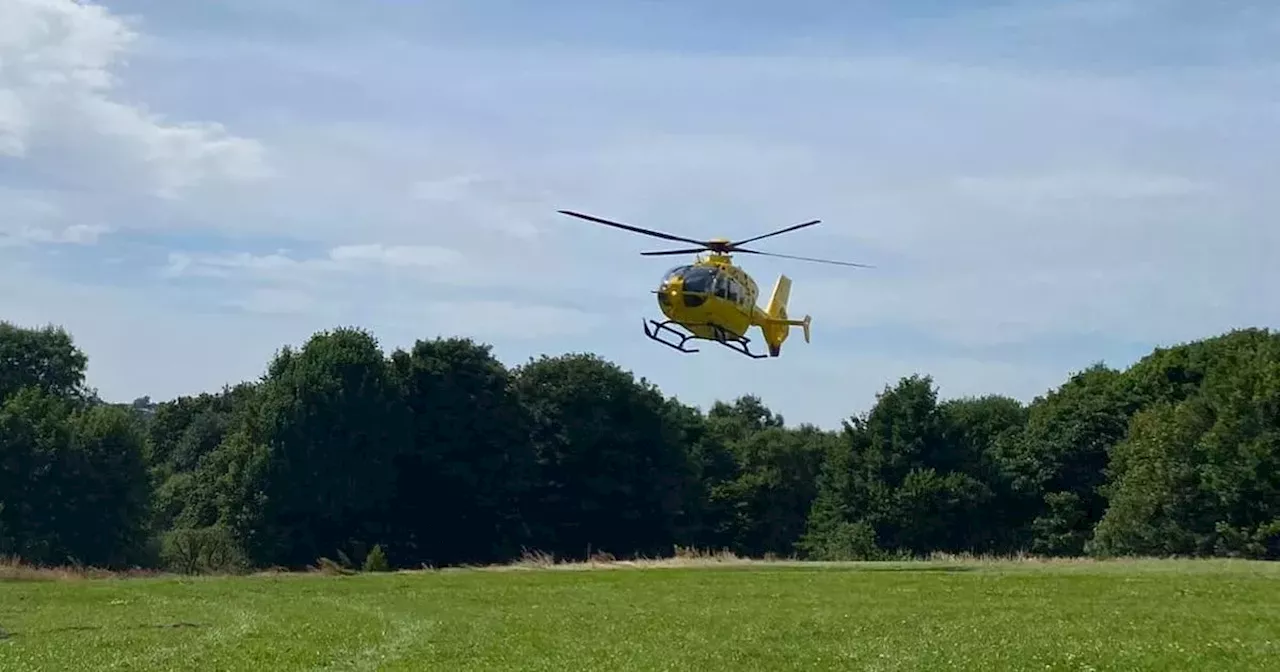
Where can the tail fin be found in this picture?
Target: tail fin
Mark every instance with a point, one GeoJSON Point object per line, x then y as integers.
{"type": "Point", "coordinates": [777, 326]}
{"type": "Point", "coordinates": [777, 306]}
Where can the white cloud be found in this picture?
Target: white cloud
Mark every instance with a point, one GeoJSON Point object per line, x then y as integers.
{"type": "Point", "coordinates": [76, 234]}
{"type": "Point", "coordinates": [13, 124]}
{"type": "Point", "coordinates": [1052, 190]}
{"type": "Point", "coordinates": [338, 264]}
{"type": "Point", "coordinates": [31, 217]}
{"type": "Point", "coordinates": [277, 302]}
{"type": "Point", "coordinates": [56, 107]}
{"type": "Point", "coordinates": [490, 202]}
{"type": "Point", "coordinates": [448, 189]}
{"type": "Point", "coordinates": [505, 320]}
{"type": "Point", "coordinates": [231, 265]}
{"type": "Point", "coordinates": [396, 285]}
{"type": "Point", "coordinates": [397, 255]}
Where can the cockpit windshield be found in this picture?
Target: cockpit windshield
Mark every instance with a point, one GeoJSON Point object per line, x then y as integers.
{"type": "Point", "coordinates": [697, 279]}
{"type": "Point", "coordinates": [673, 274]}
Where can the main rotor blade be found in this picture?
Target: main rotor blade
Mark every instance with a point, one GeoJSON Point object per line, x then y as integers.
{"type": "Point", "coordinates": [788, 256]}
{"type": "Point", "coordinates": [628, 227]}
{"type": "Point", "coordinates": [776, 233]}
{"type": "Point", "coordinates": [689, 250]}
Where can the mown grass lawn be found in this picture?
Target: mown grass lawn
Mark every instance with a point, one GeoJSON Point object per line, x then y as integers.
{"type": "Point", "coordinates": [1150, 615]}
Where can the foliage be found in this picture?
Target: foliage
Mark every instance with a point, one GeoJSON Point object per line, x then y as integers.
{"type": "Point", "coordinates": [209, 549]}
{"type": "Point", "coordinates": [467, 464]}
{"type": "Point", "coordinates": [907, 480]}
{"type": "Point", "coordinates": [319, 450]}
{"type": "Point", "coordinates": [1199, 474]}
{"type": "Point", "coordinates": [72, 481]}
{"type": "Point", "coordinates": [376, 560]}
{"type": "Point", "coordinates": [46, 359]}
{"type": "Point", "coordinates": [611, 469]}
{"type": "Point", "coordinates": [438, 454]}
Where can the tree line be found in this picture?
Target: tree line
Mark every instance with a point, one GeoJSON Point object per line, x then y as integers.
{"type": "Point", "coordinates": [440, 455]}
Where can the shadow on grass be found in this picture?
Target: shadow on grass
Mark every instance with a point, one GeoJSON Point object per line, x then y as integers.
{"type": "Point", "coordinates": [901, 567]}
{"type": "Point", "coordinates": [908, 568]}
{"type": "Point", "coordinates": [5, 634]}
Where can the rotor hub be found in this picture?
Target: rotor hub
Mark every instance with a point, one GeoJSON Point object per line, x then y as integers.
{"type": "Point", "coordinates": [720, 245]}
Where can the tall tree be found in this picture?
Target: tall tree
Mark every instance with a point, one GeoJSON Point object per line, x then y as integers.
{"type": "Point", "coordinates": [468, 467]}
{"type": "Point", "coordinates": [900, 485]}
{"type": "Point", "coordinates": [612, 471]}
{"type": "Point", "coordinates": [981, 431]}
{"type": "Point", "coordinates": [706, 520]}
{"type": "Point", "coordinates": [314, 466]}
{"type": "Point", "coordinates": [46, 359]}
{"type": "Point", "coordinates": [1199, 473]}
{"type": "Point", "coordinates": [184, 430]}
{"type": "Point", "coordinates": [1061, 456]}
{"type": "Point", "coordinates": [73, 485]}
{"type": "Point", "coordinates": [774, 488]}
{"type": "Point", "coordinates": [766, 483]}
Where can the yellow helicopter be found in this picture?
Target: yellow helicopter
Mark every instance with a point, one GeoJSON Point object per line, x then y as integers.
{"type": "Point", "coordinates": [714, 300]}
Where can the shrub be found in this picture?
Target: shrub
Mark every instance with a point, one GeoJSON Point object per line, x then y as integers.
{"type": "Point", "coordinates": [376, 561]}
{"type": "Point", "coordinates": [209, 549]}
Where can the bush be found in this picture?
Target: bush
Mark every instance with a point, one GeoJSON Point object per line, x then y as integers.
{"type": "Point", "coordinates": [209, 549]}
{"type": "Point", "coordinates": [376, 561]}
{"type": "Point", "coordinates": [846, 541]}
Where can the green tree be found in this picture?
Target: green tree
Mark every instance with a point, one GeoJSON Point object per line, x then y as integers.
{"type": "Point", "coordinates": [34, 437]}
{"type": "Point", "coordinates": [1060, 458]}
{"type": "Point", "coordinates": [72, 482]}
{"type": "Point", "coordinates": [981, 431]}
{"type": "Point", "coordinates": [186, 429]}
{"type": "Point", "coordinates": [469, 466]}
{"type": "Point", "coordinates": [742, 418]}
{"type": "Point", "coordinates": [903, 482]}
{"type": "Point", "coordinates": [314, 466]}
{"type": "Point", "coordinates": [706, 519]}
{"type": "Point", "coordinates": [612, 471]}
{"type": "Point", "coordinates": [1199, 474]}
{"type": "Point", "coordinates": [773, 488]}
{"type": "Point", "coordinates": [180, 435]}
{"type": "Point", "coordinates": [1156, 492]}
{"type": "Point", "coordinates": [46, 359]}
{"type": "Point", "coordinates": [839, 525]}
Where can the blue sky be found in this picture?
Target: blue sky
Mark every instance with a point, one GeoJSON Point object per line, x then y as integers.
{"type": "Point", "coordinates": [1040, 185]}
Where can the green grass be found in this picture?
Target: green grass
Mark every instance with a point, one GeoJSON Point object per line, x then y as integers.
{"type": "Point", "coordinates": [1149, 615]}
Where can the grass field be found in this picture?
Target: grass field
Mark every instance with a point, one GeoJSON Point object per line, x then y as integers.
{"type": "Point", "coordinates": [948, 615]}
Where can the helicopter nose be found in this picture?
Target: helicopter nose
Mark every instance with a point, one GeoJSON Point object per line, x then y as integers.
{"type": "Point", "coordinates": [669, 291]}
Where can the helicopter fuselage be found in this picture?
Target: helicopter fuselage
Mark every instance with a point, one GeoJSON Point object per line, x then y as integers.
{"type": "Point", "coordinates": [708, 294]}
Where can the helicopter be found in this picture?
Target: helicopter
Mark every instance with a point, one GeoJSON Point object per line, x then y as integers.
{"type": "Point", "coordinates": [714, 300]}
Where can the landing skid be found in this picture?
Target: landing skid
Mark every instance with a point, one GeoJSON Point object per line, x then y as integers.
{"type": "Point", "coordinates": [735, 343]}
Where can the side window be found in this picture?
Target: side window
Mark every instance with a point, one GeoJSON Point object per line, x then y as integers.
{"type": "Point", "coordinates": [735, 291]}
{"type": "Point", "coordinates": [722, 286]}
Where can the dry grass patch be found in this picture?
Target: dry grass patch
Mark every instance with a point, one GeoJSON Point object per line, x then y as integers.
{"type": "Point", "coordinates": [681, 557]}
{"type": "Point", "coordinates": [13, 568]}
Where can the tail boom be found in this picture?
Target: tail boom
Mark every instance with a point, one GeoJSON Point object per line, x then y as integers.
{"type": "Point", "coordinates": [775, 323]}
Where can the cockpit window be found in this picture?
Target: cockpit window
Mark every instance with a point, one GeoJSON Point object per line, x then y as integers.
{"type": "Point", "coordinates": [673, 274]}
{"type": "Point", "coordinates": [699, 279]}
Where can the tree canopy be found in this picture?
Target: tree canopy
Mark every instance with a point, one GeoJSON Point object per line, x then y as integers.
{"type": "Point", "coordinates": [442, 455]}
